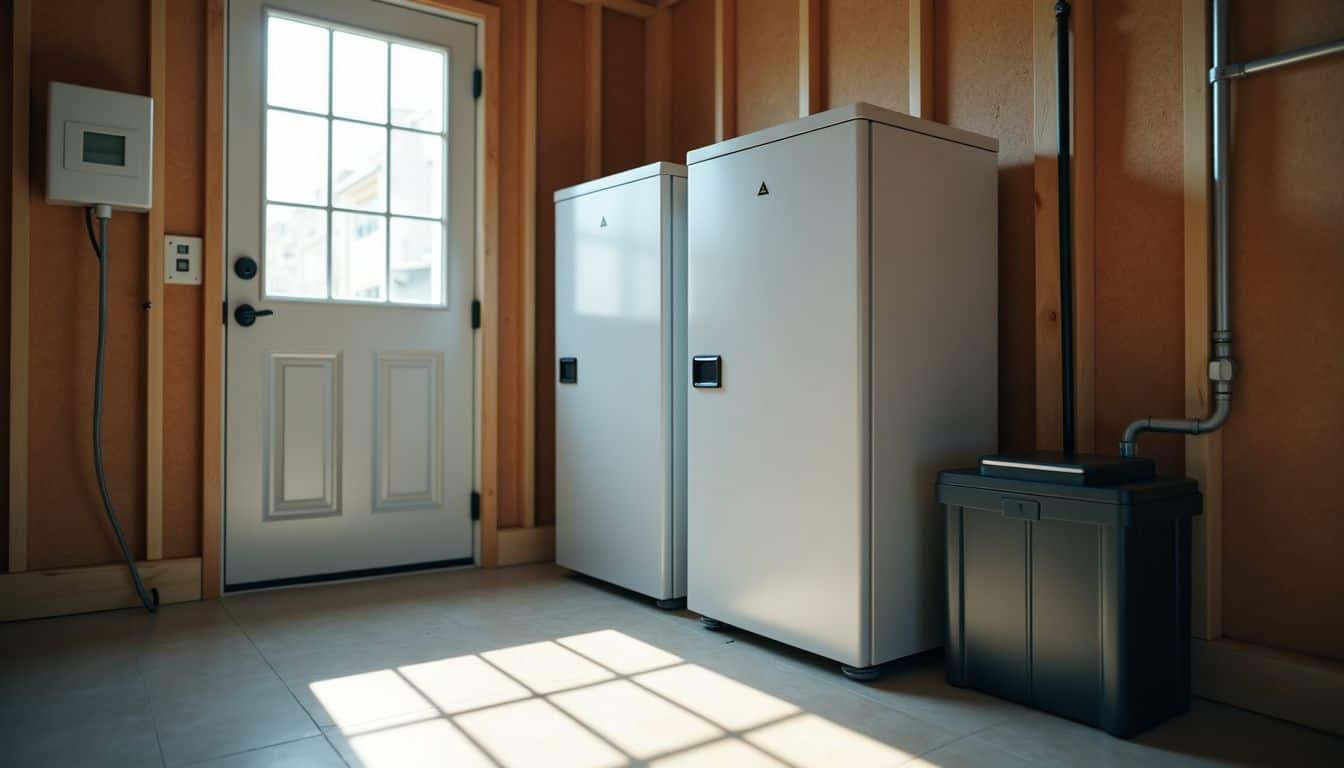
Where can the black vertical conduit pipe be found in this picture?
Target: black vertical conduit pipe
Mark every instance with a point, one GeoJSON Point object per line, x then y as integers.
{"type": "Point", "coordinates": [1065, 227]}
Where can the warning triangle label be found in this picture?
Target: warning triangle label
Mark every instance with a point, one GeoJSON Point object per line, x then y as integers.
{"type": "Point", "coordinates": [604, 221]}
{"type": "Point", "coordinates": [764, 190]}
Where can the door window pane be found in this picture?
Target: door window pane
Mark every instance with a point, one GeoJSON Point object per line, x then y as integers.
{"type": "Point", "coordinates": [417, 261]}
{"type": "Point", "coordinates": [417, 87]}
{"type": "Point", "coordinates": [359, 166]}
{"type": "Point", "coordinates": [417, 174]}
{"type": "Point", "coordinates": [358, 256]}
{"type": "Point", "coordinates": [355, 165]}
{"type": "Point", "coordinates": [296, 158]}
{"type": "Point", "coordinates": [296, 252]}
{"type": "Point", "coordinates": [296, 65]}
{"type": "Point", "coordinates": [359, 79]}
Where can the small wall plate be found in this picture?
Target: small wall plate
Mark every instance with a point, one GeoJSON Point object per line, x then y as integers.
{"type": "Point", "coordinates": [182, 260]}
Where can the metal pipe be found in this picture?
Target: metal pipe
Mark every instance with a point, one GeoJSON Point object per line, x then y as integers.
{"type": "Point", "coordinates": [1233, 71]}
{"type": "Point", "coordinates": [1065, 227]}
{"type": "Point", "coordinates": [1222, 409]}
{"type": "Point", "coordinates": [1220, 367]}
{"type": "Point", "coordinates": [1222, 137]}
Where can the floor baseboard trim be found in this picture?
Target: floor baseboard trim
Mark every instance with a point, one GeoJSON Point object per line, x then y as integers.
{"type": "Point", "coordinates": [63, 591]}
{"type": "Point", "coordinates": [526, 545]}
{"type": "Point", "coordinates": [1289, 686]}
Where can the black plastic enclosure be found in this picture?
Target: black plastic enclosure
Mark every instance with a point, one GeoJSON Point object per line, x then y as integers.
{"type": "Point", "coordinates": [1071, 599]}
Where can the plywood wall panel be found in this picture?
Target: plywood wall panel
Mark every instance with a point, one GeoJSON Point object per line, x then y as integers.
{"type": "Point", "coordinates": [767, 63]}
{"type": "Point", "coordinates": [66, 524]}
{"type": "Point", "coordinates": [983, 82]}
{"type": "Point", "coordinates": [184, 214]}
{"type": "Point", "coordinates": [866, 53]}
{"type": "Point", "coordinates": [623, 86]}
{"type": "Point", "coordinates": [1283, 514]}
{"type": "Point", "coordinates": [692, 113]}
{"type": "Point", "coordinates": [560, 141]}
{"type": "Point", "coordinates": [1140, 255]}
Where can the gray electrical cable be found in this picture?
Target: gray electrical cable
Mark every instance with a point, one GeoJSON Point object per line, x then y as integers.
{"type": "Point", "coordinates": [148, 599]}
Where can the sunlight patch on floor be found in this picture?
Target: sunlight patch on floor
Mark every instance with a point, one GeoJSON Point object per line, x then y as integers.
{"type": "Point", "coordinates": [435, 742]}
{"type": "Point", "coordinates": [728, 753]}
{"type": "Point", "coordinates": [593, 700]}
{"type": "Point", "coordinates": [619, 652]}
{"type": "Point", "coordinates": [360, 698]}
{"type": "Point", "coordinates": [546, 667]}
{"type": "Point", "coordinates": [535, 733]}
{"type": "Point", "coordinates": [638, 722]}
{"type": "Point", "coordinates": [463, 683]}
{"type": "Point", "coordinates": [722, 700]}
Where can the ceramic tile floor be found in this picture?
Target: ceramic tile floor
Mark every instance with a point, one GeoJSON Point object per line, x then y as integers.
{"type": "Point", "coordinates": [522, 667]}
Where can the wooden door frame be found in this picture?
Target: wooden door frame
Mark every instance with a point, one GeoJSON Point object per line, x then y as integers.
{"type": "Point", "coordinates": [486, 20]}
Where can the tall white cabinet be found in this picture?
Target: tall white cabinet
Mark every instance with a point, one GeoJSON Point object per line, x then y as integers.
{"type": "Point", "coordinates": [620, 342]}
{"type": "Point", "coordinates": [843, 303]}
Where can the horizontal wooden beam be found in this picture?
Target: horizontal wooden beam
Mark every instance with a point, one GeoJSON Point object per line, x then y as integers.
{"type": "Point", "coordinates": [62, 591]}
{"type": "Point", "coordinates": [527, 545]}
{"type": "Point", "coordinates": [628, 7]}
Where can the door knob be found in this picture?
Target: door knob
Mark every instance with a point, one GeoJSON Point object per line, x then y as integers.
{"type": "Point", "coordinates": [246, 314]}
{"type": "Point", "coordinates": [245, 267]}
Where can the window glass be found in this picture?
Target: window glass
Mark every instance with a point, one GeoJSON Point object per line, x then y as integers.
{"type": "Point", "coordinates": [417, 261]}
{"type": "Point", "coordinates": [359, 77]}
{"type": "Point", "coordinates": [296, 252]}
{"type": "Point", "coordinates": [355, 169]}
{"type": "Point", "coordinates": [417, 88]}
{"type": "Point", "coordinates": [296, 65]}
{"type": "Point", "coordinates": [358, 263]}
{"type": "Point", "coordinates": [358, 166]}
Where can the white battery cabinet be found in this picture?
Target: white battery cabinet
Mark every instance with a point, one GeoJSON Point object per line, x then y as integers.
{"type": "Point", "coordinates": [843, 334]}
{"type": "Point", "coordinates": [620, 341]}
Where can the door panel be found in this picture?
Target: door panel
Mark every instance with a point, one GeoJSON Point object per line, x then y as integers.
{"type": "Point", "coordinates": [776, 498]}
{"type": "Point", "coordinates": [303, 425]}
{"type": "Point", "coordinates": [352, 183]}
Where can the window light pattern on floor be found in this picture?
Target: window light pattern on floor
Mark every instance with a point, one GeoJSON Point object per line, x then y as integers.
{"type": "Point", "coordinates": [595, 700]}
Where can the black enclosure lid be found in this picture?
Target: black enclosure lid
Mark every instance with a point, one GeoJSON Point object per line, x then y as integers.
{"type": "Point", "coordinates": [1069, 469]}
{"type": "Point", "coordinates": [950, 482]}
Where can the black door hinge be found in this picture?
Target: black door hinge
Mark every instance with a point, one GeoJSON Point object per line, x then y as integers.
{"type": "Point", "coordinates": [477, 83]}
{"type": "Point", "coordinates": [475, 314]}
{"type": "Point", "coordinates": [475, 505]}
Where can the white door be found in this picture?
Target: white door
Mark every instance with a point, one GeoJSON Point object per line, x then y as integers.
{"type": "Point", "coordinates": [351, 187]}
{"type": "Point", "coordinates": [613, 289]}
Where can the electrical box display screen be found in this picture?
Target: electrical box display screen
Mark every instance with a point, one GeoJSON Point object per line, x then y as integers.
{"type": "Point", "coordinates": [104, 148]}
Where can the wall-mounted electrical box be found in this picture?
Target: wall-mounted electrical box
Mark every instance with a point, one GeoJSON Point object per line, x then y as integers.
{"type": "Point", "coordinates": [98, 147]}
{"type": "Point", "coordinates": [182, 260]}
